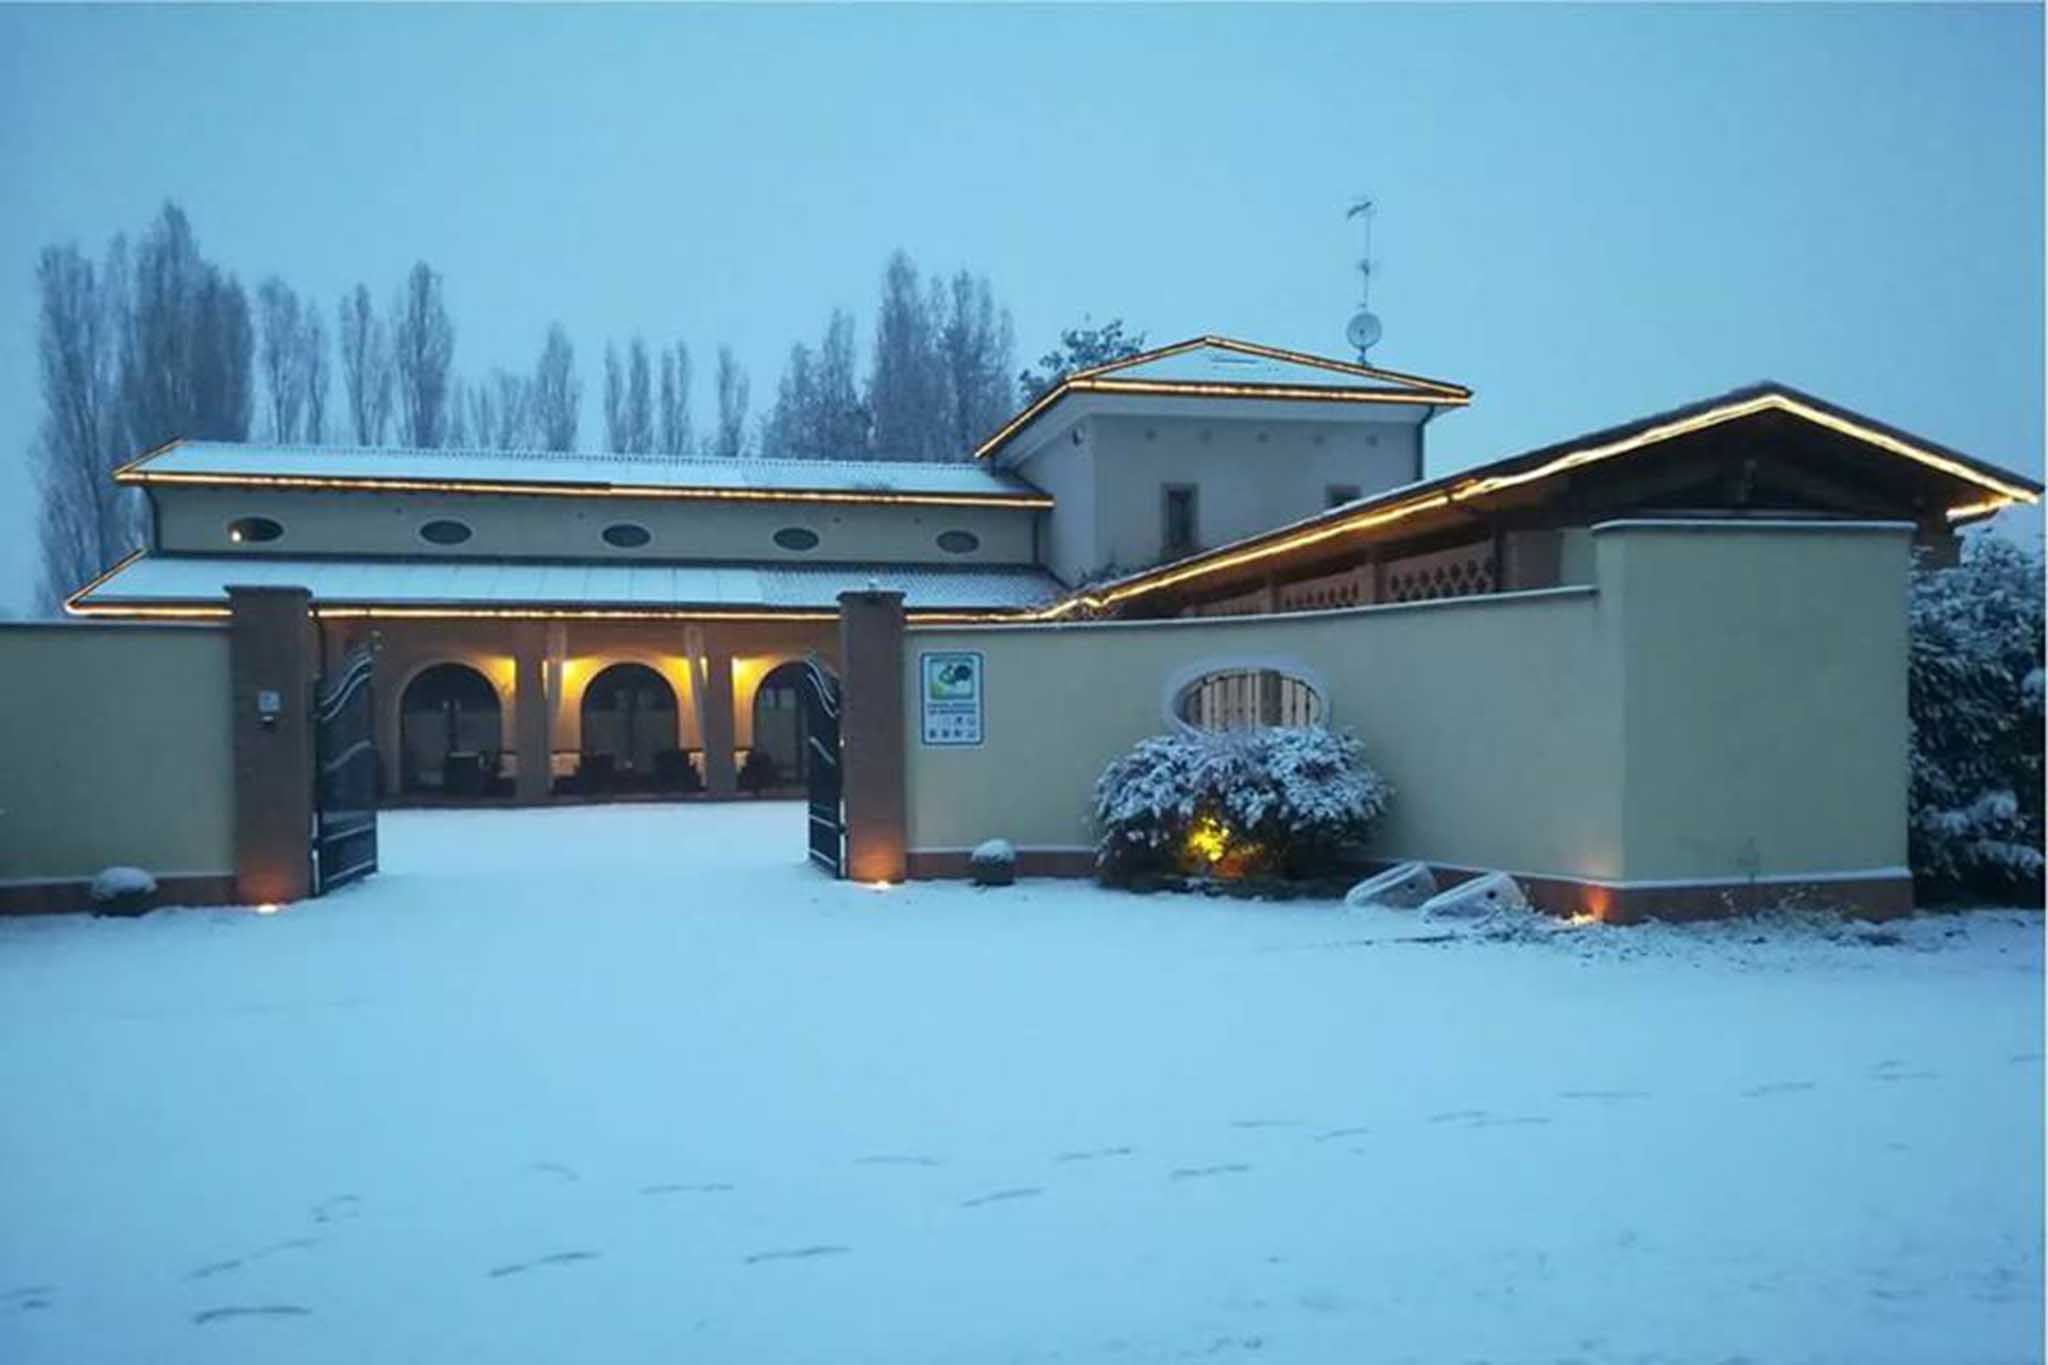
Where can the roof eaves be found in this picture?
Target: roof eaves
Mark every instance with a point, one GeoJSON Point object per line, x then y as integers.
{"type": "Point", "coordinates": [1394, 504]}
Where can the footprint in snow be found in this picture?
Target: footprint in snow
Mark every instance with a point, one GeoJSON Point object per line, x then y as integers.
{"type": "Point", "coordinates": [685, 1189]}
{"type": "Point", "coordinates": [795, 1254]}
{"type": "Point", "coordinates": [207, 1272]}
{"type": "Point", "coordinates": [1200, 1172]}
{"type": "Point", "coordinates": [1608, 1095]}
{"type": "Point", "coordinates": [1506, 1121]}
{"type": "Point", "coordinates": [1458, 1116]}
{"type": "Point", "coordinates": [1776, 1088]}
{"type": "Point", "coordinates": [29, 1297]}
{"type": "Point", "coordinates": [896, 1159]}
{"type": "Point", "coordinates": [1095, 1154]}
{"type": "Point", "coordinates": [557, 1258]}
{"type": "Point", "coordinates": [262, 1310]}
{"type": "Point", "coordinates": [1333, 1134]}
{"type": "Point", "coordinates": [1265, 1123]}
{"type": "Point", "coordinates": [554, 1168]}
{"type": "Point", "coordinates": [1894, 1071]}
{"type": "Point", "coordinates": [995, 1196]}
{"type": "Point", "coordinates": [2018, 1057]}
{"type": "Point", "coordinates": [338, 1207]}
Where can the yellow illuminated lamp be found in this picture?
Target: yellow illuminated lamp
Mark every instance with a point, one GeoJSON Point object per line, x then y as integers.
{"type": "Point", "coordinates": [268, 908]}
{"type": "Point", "coordinates": [1209, 840]}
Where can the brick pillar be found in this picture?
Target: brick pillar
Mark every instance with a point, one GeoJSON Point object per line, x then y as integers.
{"type": "Point", "coordinates": [273, 667]}
{"type": "Point", "coordinates": [531, 718]}
{"type": "Point", "coordinates": [871, 734]}
{"type": "Point", "coordinates": [714, 679]}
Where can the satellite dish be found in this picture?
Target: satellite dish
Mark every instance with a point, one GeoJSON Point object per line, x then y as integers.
{"type": "Point", "coordinates": [1363, 331]}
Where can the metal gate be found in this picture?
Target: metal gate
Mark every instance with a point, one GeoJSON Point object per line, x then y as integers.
{"type": "Point", "coordinates": [821, 770]}
{"type": "Point", "coordinates": [344, 776]}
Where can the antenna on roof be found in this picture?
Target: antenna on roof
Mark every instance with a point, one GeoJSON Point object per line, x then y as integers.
{"type": "Point", "coordinates": [1363, 331]}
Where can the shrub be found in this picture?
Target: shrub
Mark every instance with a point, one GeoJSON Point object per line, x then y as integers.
{"type": "Point", "coordinates": [1976, 697]}
{"type": "Point", "coordinates": [1267, 802]}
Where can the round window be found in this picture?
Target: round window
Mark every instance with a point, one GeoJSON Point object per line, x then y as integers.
{"type": "Point", "coordinates": [627, 536]}
{"type": "Point", "coordinates": [797, 538]}
{"type": "Point", "coordinates": [959, 542]}
{"type": "Point", "coordinates": [445, 532]}
{"type": "Point", "coordinates": [253, 530]}
{"type": "Point", "coordinates": [1246, 698]}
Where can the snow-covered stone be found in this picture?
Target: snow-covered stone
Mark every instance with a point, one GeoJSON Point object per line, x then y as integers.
{"type": "Point", "coordinates": [1477, 899]}
{"type": "Point", "coordinates": [1401, 887]}
{"type": "Point", "coordinates": [993, 863]}
{"type": "Point", "coordinates": [115, 882]}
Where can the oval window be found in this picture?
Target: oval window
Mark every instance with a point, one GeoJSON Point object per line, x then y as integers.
{"type": "Point", "coordinates": [626, 535]}
{"type": "Point", "coordinates": [253, 530]}
{"type": "Point", "coordinates": [445, 532]}
{"type": "Point", "coordinates": [959, 542]}
{"type": "Point", "coordinates": [1247, 698]}
{"type": "Point", "coordinates": [797, 538]}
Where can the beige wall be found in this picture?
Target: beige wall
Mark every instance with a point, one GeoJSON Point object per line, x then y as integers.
{"type": "Point", "coordinates": [1764, 727]}
{"type": "Point", "coordinates": [195, 521]}
{"type": "Point", "coordinates": [1251, 473]}
{"type": "Point", "coordinates": [118, 751]}
{"type": "Point", "coordinates": [1700, 711]}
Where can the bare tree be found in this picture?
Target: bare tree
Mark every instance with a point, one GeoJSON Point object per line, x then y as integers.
{"type": "Point", "coordinates": [366, 372]}
{"type": "Point", "coordinates": [639, 399]}
{"type": "Point", "coordinates": [903, 385]}
{"type": "Point", "coordinates": [187, 346]}
{"type": "Point", "coordinates": [315, 374]}
{"type": "Point", "coordinates": [974, 348]}
{"type": "Point", "coordinates": [674, 435]}
{"type": "Point", "coordinates": [501, 411]}
{"type": "Point", "coordinates": [733, 387]}
{"type": "Point", "coordinates": [614, 400]}
{"type": "Point", "coordinates": [87, 520]}
{"type": "Point", "coordinates": [557, 393]}
{"type": "Point", "coordinates": [291, 356]}
{"type": "Point", "coordinates": [422, 347]}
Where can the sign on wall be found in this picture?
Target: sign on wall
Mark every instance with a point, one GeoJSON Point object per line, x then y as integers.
{"type": "Point", "coordinates": [950, 691]}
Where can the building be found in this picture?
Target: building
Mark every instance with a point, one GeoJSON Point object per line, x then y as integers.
{"type": "Point", "coordinates": [572, 624]}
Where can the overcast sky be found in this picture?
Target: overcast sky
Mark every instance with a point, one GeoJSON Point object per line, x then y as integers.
{"type": "Point", "coordinates": [1587, 213]}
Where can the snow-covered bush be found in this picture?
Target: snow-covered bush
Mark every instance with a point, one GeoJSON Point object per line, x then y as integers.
{"type": "Point", "coordinates": [1278, 801]}
{"type": "Point", "coordinates": [1976, 697]}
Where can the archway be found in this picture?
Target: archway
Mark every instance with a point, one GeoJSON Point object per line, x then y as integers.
{"type": "Point", "coordinates": [450, 733]}
{"type": "Point", "coordinates": [629, 730]}
{"type": "Point", "coordinates": [780, 734]}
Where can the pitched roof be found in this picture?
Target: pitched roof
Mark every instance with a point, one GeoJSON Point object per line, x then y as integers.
{"type": "Point", "coordinates": [1987, 487]}
{"type": "Point", "coordinates": [198, 584]}
{"type": "Point", "coordinates": [1220, 367]}
{"type": "Point", "coordinates": [574, 474]}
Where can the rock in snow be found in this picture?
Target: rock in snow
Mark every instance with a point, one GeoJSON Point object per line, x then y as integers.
{"type": "Point", "coordinates": [1479, 898]}
{"type": "Point", "coordinates": [1401, 887]}
{"type": "Point", "coordinates": [993, 863]}
{"type": "Point", "coordinates": [116, 882]}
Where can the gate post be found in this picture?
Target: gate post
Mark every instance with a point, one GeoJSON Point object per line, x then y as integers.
{"type": "Point", "coordinates": [271, 669]}
{"type": "Point", "coordinates": [532, 721]}
{"type": "Point", "coordinates": [871, 734]}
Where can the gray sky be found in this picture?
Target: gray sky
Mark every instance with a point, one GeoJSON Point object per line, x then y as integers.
{"type": "Point", "coordinates": [1587, 213]}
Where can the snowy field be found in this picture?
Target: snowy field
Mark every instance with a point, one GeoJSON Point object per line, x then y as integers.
{"type": "Point", "coordinates": [634, 1084]}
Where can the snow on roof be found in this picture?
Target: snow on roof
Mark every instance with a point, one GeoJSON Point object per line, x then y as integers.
{"type": "Point", "coordinates": [227, 461]}
{"type": "Point", "coordinates": [1220, 360]}
{"type": "Point", "coordinates": [188, 579]}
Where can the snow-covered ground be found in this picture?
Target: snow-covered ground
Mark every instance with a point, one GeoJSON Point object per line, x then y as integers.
{"type": "Point", "coordinates": [634, 1084]}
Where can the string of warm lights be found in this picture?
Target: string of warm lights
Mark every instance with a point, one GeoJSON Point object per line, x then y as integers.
{"type": "Point", "coordinates": [1093, 379]}
{"type": "Point", "coordinates": [379, 484]}
{"type": "Point", "coordinates": [2006, 495]}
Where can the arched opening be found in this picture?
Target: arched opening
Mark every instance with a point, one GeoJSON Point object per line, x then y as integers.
{"type": "Point", "coordinates": [451, 738]}
{"type": "Point", "coordinates": [629, 732]}
{"type": "Point", "coordinates": [779, 754]}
